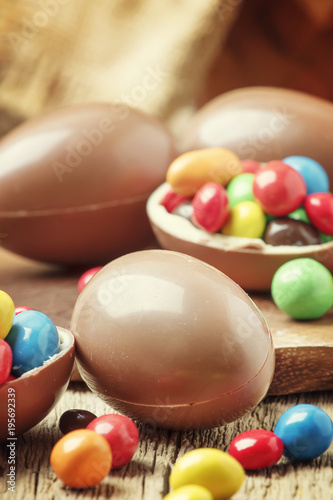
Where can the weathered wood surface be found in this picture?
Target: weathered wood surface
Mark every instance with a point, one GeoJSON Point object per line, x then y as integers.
{"type": "Point", "coordinates": [303, 349]}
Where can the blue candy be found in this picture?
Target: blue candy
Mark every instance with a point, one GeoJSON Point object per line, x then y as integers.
{"type": "Point", "coordinates": [306, 431]}
{"type": "Point", "coordinates": [33, 339]}
{"type": "Point", "coordinates": [314, 175]}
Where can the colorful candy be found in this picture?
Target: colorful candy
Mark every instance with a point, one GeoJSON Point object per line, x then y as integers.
{"type": "Point", "coordinates": [303, 288]}
{"type": "Point", "coordinates": [314, 175]}
{"type": "Point", "coordinates": [190, 492]}
{"type": "Point", "coordinates": [210, 207]}
{"type": "Point", "coordinates": [213, 469]}
{"type": "Point", "coordinates": [20, 309]}
{"type": "Point", "coordinates": [240, 189]}
{"type": "Point", "coordinates": [85, 277]}
{"type": "Point", "coordinates": [306, 431]}
{"type": "Point", "coordinates": [82, 458]}
{"type": "Point", "coordinates": [72, 420]}
{"type": "Point", "coordinates": [319, 209]}
{"type": "Point", "coordinates": [256, 449]}
{"type": "Point", "coordinates": [286, 231]}
{"type": "Point", "coordinates": [33, 339]}
{"type": "Point", "coordinates": [246, 220]}
{"type": "Point", "coordinates": [7, 309]}
{"type": "Point", "coordinates": [122, 435]}
{"type": "Point", "coordinates": [250, 166]}
{"type": "Point", "coordinates": [279, 188]}
{"type": "Point", "coordinates": [190, 171]}
{"type": "Point", "coordinates": [6, 360]}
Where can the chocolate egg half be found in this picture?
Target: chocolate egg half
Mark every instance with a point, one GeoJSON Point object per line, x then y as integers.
{"type": "Point", "coordinates": [166, 338]}
{"type": "Point", "coordinates": [265, 123]}
{"type": "Point", "coordinates": [251, 263]}
{"type": "Point", "coordinates": [30, 398]}
{"type": "Point", "coordinates": [74, 183]}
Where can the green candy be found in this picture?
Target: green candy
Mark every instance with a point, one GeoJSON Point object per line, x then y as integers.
{"type": "Point", "coordinates": [299, 214]}
{"type": "Point", "coordinates": [303, 289]}
{"type": "Point", "coordinates": [240, 189]}
{"type": "Point", "coordinates": [325, 238]}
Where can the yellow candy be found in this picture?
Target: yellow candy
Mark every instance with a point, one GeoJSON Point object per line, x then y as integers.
{"type": "Point", "coordinates": [191, 170]}
{"type": "Point", "coordinates": [213, 469]}
{"type": "Point", "coordinates": [246, 220]}
{"type": "Point", "coordinates": [7, 312]}
{"type": "Point", "coordinates": [190, 492]}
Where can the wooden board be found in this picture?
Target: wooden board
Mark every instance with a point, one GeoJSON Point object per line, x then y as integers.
{"type": "Point", "coordinates": [304, 349]}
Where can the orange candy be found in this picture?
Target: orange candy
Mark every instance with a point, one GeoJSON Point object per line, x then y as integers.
{"type": "Point", "coordinates": [82, 458]}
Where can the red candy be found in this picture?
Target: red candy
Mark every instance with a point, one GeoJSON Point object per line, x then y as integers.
{"type": "Point", "coordinates": [122, 435]}
{"type": "Point", "coordinates": [87, 277]}
{"type": "Point", "coordinates": [6, 360]}
{"type": "Point", "coordinates": [279, 188]}
{"type": "Point", "coordinates": [256, 449]}
{"type": "Point", "coordinates": [319, 209]}
{"type": "Point", "coordinates": [20, 309]}
{"type": "Point", "coordinates": [250, 166]}
{"type": "Point", "coordinates": [210, 207]}
{"type": "Point", "coordinates": [171, 200]}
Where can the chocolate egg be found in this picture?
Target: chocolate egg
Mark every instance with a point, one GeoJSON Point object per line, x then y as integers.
{"type": "Point", "coordinates": [250, 262]}
{"type": "Point", "coordinates": [74, 183]}
{"type": "Point", "coordinates": [265, 123]}
{"type": "Point", "coordinates": [166, 338]}
{"type": "Point", "coordinates": [27, 400]}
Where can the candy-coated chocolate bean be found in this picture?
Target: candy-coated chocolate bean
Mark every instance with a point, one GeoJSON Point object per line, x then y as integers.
{"type": "Point", "coordinates": [256, 449]}
{"type": "Point", "coordinates": [314, 175]}
{"type": "Point", "coordinates": [303, 288]}
{"type": "Point", "coordinates": [74, 419]}
{"type": "Point", "coordinates": [190, 492]}
{"type": "Point", "coordinates": [6, 360]}
{"type": "Point", "coordinates": [85, 277]}
{"type": "Point", "coordinates": [250, 166]}
{"type": "Point", "coordinates": [213, 469]}
{"type": "Point", "coordinates": [286, 231]}
{"type": "Point", "coordinates": [81, 458]}
{"type": "Point", "coordinates": [319, 209]}
{"type": "Point", "coordinates": [240, 189]}
{"type": "Point", "coordinates": [7, 311]}
{"type": "Point", "coordinates": [306, 431]}
{"type": "Point", "coordinates": [122, 435]}
{"type": "Point", "coordinates": [171, 200]}
{"type": "Point", "coordinates": [20, 309]}
{"type": "Point", "coordinates": [279, 188]}
{"type": "Point", "coordinates": [191, 170]}
{"type": "Point", "coordinates": [184, 209]}
{"type": "Point", "coordinates": [10, 378]}
{"type": "Point", "coordinates": [210, 207]}
{"type": "Point", "coordinates": [299, 214]}
{"type": "Point", "coordinates": [33, 339]}
{"type": "Point", "coordinates": [325, 238]}
{"type": "Point", "coordinates": [246, 220]}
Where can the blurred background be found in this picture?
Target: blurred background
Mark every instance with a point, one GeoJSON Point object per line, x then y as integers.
{"type": "Point", "coordinates": [167, 57]}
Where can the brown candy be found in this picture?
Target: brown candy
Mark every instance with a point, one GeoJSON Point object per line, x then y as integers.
{"type": "Point", "coordinates": [285, 231]}
{"type": "Point", "coordinates": [74, 419]}
{"type": "Point", "coordinates": [74, 183]}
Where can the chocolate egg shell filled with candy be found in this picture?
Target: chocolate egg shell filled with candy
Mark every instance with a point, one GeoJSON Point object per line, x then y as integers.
{"type": "Point", "coordinates": [164, 337]}
{"type": "Point", "coordinates": [74, 183]}
{"type": "Point", "coordinates": [28, 399]}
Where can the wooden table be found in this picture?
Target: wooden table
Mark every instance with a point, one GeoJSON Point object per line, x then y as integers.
{"type": "Point", "coordinates": [304, 363]}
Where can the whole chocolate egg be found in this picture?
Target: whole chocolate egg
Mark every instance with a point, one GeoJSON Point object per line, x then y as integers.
{"type": "Point", "coordinates": [265, 123]}
{"type": "Point", "coordinates": [167, 338]}
{"type": "Point", "coordinates": [74, 183]}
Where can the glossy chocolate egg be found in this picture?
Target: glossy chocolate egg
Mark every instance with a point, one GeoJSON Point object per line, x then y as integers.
{"type": "Point", "coordinates": [250, 262]}
{"type": "Point", "coordinates": [74, 183]}
{"type": "Point", "coordinates": [286, 231]}
{"type": "Point", "coordinates": [166, 338]}
{"type": "Point", "coordinates": [265, 123]}
{"type": "Point", "coordinates": [36, 392]}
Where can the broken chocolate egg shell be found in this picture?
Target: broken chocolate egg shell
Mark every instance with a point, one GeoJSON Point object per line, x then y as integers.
{"type": "Point", "coordinates": [166, 338]}
{"type": "Point", "coordinates": [265, 123]}
{"type": "Point", "coordinates": [33, 395]}
{"type": "Point", "coordinates": [249, 262]}
{"type": "Point", "coordinates": [74, 183]}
